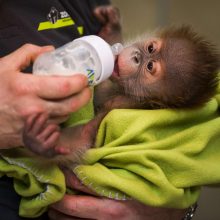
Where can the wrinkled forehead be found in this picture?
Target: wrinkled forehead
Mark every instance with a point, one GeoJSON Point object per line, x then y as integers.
{"type": "Point", "coordinates": [178, 55]}
{"type": "Point", "coordinates": [141, 39]}
{"type": "Point", "coordinates": [177, 48]}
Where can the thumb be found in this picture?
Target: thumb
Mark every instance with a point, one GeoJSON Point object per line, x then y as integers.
{"type": "Point", "coordinates": [24, 56]}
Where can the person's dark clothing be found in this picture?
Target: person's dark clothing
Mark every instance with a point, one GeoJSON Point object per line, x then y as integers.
{"type": "Point", "coordinates": [40, 22]}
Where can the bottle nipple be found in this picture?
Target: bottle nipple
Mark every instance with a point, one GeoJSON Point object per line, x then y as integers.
{"type": "Point", "coordinates": [117, 48]}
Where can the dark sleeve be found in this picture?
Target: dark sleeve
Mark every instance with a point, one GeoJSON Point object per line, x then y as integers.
{"type": "Point", "coordinates": [100, 2]}
{"type": "Point", "coordinates": [82, 12]}
{"type": "Point", "coordinates": [10, 201]}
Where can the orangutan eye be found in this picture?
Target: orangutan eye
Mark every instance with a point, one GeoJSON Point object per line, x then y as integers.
{"type": "Point", "coordinates": [150, 66]}
{"type": "Point", "coordinates": [150, 48]}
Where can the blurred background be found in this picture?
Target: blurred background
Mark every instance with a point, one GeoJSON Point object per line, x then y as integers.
{"type": "Point", "coordinates": [139, 16]}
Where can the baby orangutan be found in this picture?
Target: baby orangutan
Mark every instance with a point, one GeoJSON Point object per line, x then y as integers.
{"type": "Point", "coordinates": [175, 69]}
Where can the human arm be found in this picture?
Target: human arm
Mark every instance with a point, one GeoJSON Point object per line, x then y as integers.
{"type": "Point", "coordinates": [22, 95]}
{"type": "Point", "coordinates": [91, 207]}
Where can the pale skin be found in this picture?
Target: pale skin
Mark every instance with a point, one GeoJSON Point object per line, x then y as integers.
{"type": "Point", "coordinates": [22, 95]}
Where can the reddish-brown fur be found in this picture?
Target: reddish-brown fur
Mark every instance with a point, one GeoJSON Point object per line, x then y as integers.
{"type": "Point", "coordinates": [175, 69]}
{"type": "Point", "coordinates": [189, 80]}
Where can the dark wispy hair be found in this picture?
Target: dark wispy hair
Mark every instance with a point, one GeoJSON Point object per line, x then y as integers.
{"type": "Point", "coordinates": [193, 78]}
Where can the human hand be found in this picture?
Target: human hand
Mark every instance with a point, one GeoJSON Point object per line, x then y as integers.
{"type": "Point", "coordinates": [22, 95]}
{"type": "Point", "coordinates": [109, 17]}
{"type": "Point", "coordinates": [91, 207]}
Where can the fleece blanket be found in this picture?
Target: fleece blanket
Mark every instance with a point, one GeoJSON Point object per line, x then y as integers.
{"type": "Point", "coordinates": [158, 157]}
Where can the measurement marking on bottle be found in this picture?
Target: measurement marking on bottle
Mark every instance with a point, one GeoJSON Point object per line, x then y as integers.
{"type": "Point", "coordinates": [91, 74]}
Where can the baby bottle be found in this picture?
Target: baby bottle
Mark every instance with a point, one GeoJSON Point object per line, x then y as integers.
{"type": "Point", "coordinates": [89, 55]}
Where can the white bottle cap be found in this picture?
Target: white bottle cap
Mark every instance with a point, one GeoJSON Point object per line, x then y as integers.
{"type": "Point", "coordinates": [104, 54]}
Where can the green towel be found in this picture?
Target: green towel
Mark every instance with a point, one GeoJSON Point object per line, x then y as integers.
{"type": "Point", "coordinates": [37, 184]}
{"type": "Point", "coordinates": [159, 157]}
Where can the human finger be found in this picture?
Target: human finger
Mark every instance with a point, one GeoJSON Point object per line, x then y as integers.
{"type": "Point", "coordinates": [108, 209]}
{"type": "Point", "coordinates": [58, 119]}
{"type": "Point", "coordinates": [23, 56]}
{"type": "Point", "coordinates": [56, 215]}
{"type": "Point", "coordinates": [68, 105]}
{"type": "Point", "coordinates": [52, 87]}
{"type": "Point", "coordinates": [57, 110]}
{"type": "Point", "coordinates": [80, 206]}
